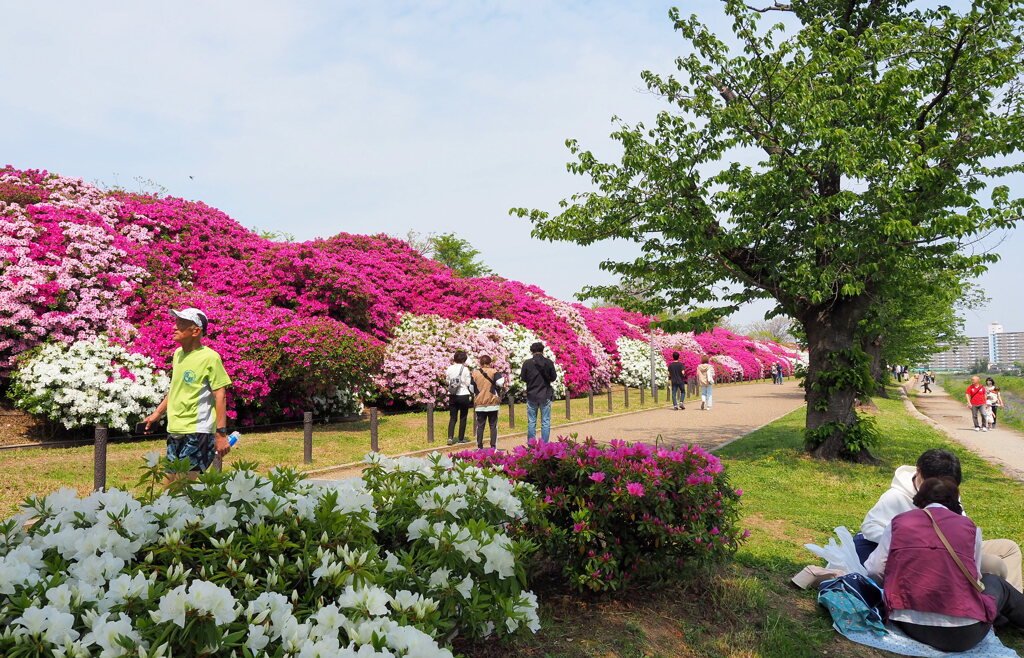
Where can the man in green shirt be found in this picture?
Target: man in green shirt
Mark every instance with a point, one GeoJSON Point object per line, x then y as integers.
{"type": "Point", "coordinates": [195, 404]}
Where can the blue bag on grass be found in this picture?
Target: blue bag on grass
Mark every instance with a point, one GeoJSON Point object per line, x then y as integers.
{"type": "Point", "coordinates": [855, 603]}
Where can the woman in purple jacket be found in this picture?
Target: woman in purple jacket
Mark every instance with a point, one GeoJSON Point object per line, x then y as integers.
{"type": "Point", "coordinates": [934, 597]}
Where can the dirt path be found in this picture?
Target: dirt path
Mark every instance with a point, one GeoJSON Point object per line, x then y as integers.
{"type": "Point", "coordinates": [1001, 446]}
{"type": "Point", "coordinates": [737, 410]}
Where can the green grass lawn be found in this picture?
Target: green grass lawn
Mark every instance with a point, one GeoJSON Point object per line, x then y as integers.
{"type": "Point", "coordinates": [749, 609]}
{"type": "Point", "coordinates": [43, 470]}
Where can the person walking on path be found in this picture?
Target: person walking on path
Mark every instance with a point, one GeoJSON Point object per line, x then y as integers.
{"type": "Point", "coordinates": [677, 378]}
{"type": "Point", "coordinates": [196, 404]}
{"type": "Point", "coordinates": [926, 382]}
{"type": "Point", "coordinates": [538, 373]}
{"type": "Point", "coordinates": [487, 384]}
{"type": "Point", "coordinates": [994, 399]}
{"type": "Point", "coordinates": [459, 397]}
{"type": "Point", "coordinates": [976, 398]}
{"type": "Point", "coordinates": [706, 381]}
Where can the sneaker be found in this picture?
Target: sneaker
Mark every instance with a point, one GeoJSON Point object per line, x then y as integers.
{"type": "Point", "coordinates": [977, 429]}
{"type": "Point", "coordinates": [683, 408]}
{"type": "Point", "coordinates": [984, 429]}
{"type": "Point", "coordinates": [675, 408]}
{"type": "Point", "coordinates": [452, 442]}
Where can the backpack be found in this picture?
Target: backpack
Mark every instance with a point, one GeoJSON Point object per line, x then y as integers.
{"type": "Point", "coordinates": [855, 603]}
{"type": "Point", "coordinates": [455, 383]}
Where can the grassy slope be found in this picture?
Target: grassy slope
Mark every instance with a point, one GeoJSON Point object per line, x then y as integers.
{"type": "Point", "coordinates": [750, 609]}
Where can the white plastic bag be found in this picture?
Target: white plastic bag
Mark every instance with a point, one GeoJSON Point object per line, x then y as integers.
{"type": "Point", "coordinates": [841, 556]}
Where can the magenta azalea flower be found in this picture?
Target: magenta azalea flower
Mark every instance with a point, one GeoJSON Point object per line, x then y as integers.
{"type": "Point", "coordinates": [635, 488]}
{"type": "Point", "coordinates": [597, 477]}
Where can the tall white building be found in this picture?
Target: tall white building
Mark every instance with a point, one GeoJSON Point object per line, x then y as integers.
{"type": "Point", "coordinates": [993, 351]}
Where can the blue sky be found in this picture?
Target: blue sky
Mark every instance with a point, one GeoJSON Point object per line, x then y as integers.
{"type": "Point", "coordinates": [319, 117]}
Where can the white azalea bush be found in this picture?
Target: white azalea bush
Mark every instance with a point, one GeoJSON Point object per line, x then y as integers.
{"type": "Point", "coordinates": [239, 564]}
{"type": "Point", "coordinates": [88, 382]}
{"type": "Point", "coordinates": [635, 359]}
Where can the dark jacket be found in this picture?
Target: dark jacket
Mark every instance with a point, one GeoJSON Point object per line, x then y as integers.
{"type": "Point", "coordinates": [677, 373]}
{"type": "Point", "coordinates": [537, 374]}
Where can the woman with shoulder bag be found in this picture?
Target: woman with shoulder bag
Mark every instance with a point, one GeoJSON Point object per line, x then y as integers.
{"type": "Point", "coordinates": [929, 559]}
{"type": "Point", "coordinates": [459, 397]}
{"type": "Point", "coordinates": [487, 384]}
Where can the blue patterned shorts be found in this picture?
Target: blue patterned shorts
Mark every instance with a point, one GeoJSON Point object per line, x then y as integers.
{"type": "Point", "coordinates": [197, 447]}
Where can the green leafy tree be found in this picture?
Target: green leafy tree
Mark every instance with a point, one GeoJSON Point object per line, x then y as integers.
{"type": "Point", "coordinates": [458, 255]}
{"type": "Point", "coordinates": [911, 320]}
{"type": "Point", "coordinates": [801, 164]}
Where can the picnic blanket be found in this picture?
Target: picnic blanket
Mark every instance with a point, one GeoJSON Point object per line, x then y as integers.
{"type": "Point", "coordinates": [897, 642]}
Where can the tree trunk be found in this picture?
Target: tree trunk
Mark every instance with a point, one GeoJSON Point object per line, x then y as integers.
{"type": "Point", "coordinates": [831, 329]}
{"type": "Point", "coordinates": [873, 348]}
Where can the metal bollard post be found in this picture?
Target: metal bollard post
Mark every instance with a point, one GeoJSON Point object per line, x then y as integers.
{"type": "Point", "coordinates": [99, 459]}
{"type": "Point", "coordinates": [625, 395]}
{"type": "Point", "coordinates": [609, 398]}
{"type": "Point", "coordinates": [511, 413]}
{"type": "Point", "coordinates": [590, 398]}
{"type": "Point", "coordinates": [373, 430]}
{"type": "Point", "coordinates": [430, 422]}
{"type": "Point", "coordinates": [642, 393]}
{"type": "Point", "coordinates": [568, 406]}
{"type": "Point", "coordinates": [307, 437]}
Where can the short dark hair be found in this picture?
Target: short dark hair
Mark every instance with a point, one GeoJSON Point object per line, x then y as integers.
{"type": "Point", "coordinates": [675, 356]}
{"type": "Point", "coordinates": [941, 490]}
{"type": "Point", "coordinates": [537, 348]}
{"type": "Point", "coordinates": [705, 359]}
{"type": "Point", "coordinates": [484, 360]}
{"type": "Point", "coordinates": [940, 463]}
{"type": "Point", "coordinates": [461, 356]}
{"type": "Point", "coordinates": [989, 379]}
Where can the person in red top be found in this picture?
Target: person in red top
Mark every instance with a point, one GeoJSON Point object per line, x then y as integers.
{"type": "Point", "coordinates": [976, 398]}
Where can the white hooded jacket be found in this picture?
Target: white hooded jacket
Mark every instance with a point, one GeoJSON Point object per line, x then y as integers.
{"type": "Point", "coordinates": [898, 499]}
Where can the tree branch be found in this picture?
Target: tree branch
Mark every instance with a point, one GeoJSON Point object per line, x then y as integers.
{"type": "Point", "coordinates": [778, 6]}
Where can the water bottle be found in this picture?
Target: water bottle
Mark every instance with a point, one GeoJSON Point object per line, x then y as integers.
{"type": "Point", "coordinates": [233, 438]}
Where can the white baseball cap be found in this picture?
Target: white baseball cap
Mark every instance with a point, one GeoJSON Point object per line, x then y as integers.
{"type": "Point", "coordinates": [193, 315]}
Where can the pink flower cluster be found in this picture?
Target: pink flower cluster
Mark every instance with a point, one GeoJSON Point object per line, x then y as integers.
{"type": "Point", "coordinates": [76, 262]}
{"type": "Point", "coordinates": [621, 514]}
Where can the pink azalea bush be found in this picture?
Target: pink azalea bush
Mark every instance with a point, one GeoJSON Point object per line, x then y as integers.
{"type": "Point", "coordinates": [294, 321]}
{"type": "Point", "coordinates": [623, 515]}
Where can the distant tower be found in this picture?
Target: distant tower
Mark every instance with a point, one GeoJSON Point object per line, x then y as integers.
{"type": "Point", "coordinates": [993, 352]}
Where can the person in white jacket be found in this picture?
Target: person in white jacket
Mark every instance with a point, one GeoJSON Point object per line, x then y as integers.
{"type": "Point", "coordinates": [1001, 557]}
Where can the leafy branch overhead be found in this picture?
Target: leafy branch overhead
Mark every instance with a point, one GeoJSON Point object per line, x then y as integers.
{"type": "Point", "coordinates": [803, 163]}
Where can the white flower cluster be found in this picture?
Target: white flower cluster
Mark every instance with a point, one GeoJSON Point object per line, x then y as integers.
{"type": "Point", "coordinates": [517, 339]}
{"type": "Point", "coordinates": [635, 359]}
{"type": "Point", "coordinates": [89, 382]}
{"type": "Point", "coordinates": [269, 564]}
{"type": "Point", "coordinates": [337, 401]}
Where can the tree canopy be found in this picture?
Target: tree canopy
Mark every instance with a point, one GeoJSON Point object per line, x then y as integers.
{"type": "Point", "coordinates": [804, 164]}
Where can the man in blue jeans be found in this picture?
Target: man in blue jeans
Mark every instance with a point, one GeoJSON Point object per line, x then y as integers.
{"type": "Point", "coordinates": [538, 374]}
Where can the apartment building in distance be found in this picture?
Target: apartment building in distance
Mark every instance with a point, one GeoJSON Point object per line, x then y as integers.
{"type": "Point", "coordinates": [999, 347]}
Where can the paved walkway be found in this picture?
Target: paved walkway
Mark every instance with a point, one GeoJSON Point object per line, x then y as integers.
{"type": "Point", "coordinates": [737, 410]}
{"type": "Point", "coordinates": [1001, 446]}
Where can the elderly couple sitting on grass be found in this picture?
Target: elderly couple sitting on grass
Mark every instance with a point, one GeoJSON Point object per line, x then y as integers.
{"type": "Point", "coordinates": [944, 586]}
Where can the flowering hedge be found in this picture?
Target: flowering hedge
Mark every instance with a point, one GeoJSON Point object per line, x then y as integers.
{"type": "Point", "coordinates": [294, 321]}
{"type": "Point", "coordinates": [620, 515]}
{"type": "Point", "coordinates": [635, 364]}
{"type": "Point", "coordinates": [241, 564]}
{"type": "Point", "coordinates": [89, 382]}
